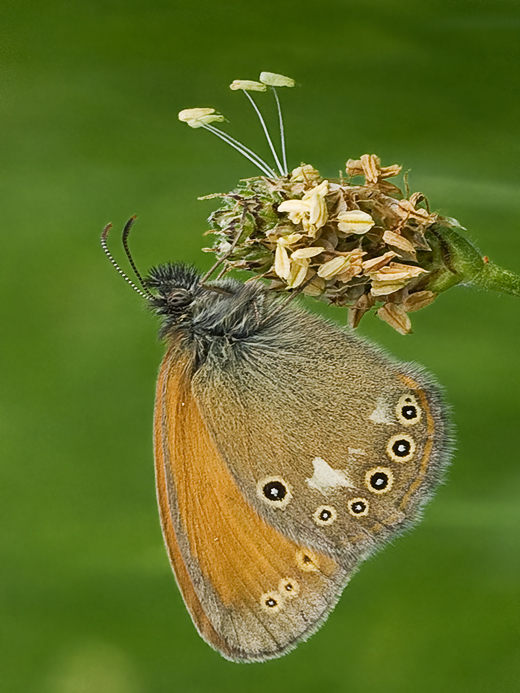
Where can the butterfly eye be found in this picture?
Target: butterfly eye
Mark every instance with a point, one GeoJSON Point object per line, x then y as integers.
{"type": "Point", "coordinates": [271, 601]}
{"type": "Point", "coordinates": [289, 588]}
{"type": "Point", "coordinates": [401, 447]}
{"type": "Point", "coordinates": [408, 411]}
{"type": "Point", "coordinates": [379, 480]}
{"type": "Point", "coordinates": [274, 491]}
{"type": "Point", "coordinates": [325, 515]}
{"type": "Point", "coordinates": [358, 507]}
{"type": "Point", "coordinates": [179, 298]}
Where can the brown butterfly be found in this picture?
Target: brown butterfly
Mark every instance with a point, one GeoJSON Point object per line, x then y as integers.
{"type": "Point", "coordinates": [286, 452]}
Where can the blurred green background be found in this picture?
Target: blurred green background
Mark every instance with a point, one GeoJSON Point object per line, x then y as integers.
{"type": "Point", "coordinates": [89, 134]}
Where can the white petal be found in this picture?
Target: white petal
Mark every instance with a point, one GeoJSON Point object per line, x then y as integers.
{"type": "Point", "coordinates": [355, 221]}
{"type": "Point", "coordinates": [396, 240]}
{"type": "Point", "coordinates": [318, 211]}
{"type": "Point", "coordinates": [332, 267]}
{"type": "Point", "coordinates": [320, 190]}
{"type": "Point", "coordinates": [302, 253]}
{"type": "Point", "coordinates": [282, 264]}
{"type": "Point", "coordinates": [292, 206]}
{"type": "Point", "coordinates": [291, 239]}
{"type": "Point", "coordinates": [382, 288]}
{"type": "Point", "coordinates": [298, 274]}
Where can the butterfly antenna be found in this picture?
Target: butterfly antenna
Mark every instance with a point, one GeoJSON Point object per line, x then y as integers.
{"type": "Point", "coordinates": [104, 236]}
{"type": "Point", "coordinates": [126, 233]}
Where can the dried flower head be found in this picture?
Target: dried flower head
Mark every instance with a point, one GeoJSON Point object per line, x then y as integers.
{"type": "Point", "coordinates": [359, 242]}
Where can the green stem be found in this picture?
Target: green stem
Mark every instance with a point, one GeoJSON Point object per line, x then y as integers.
{"type": "Point", "coordinates": [494, 278]}
{"type": "Point", "coordinates": [454, 260]}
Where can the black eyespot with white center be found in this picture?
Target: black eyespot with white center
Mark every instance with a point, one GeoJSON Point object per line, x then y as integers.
{"type": "Point", "coordinates": [325, 515]}
{"type": "Point", "coordinates": [379, 480]}
{"type": "Point", "coordinates": [358, 507]}
{"type": "Point", "coordinates": [271, 602]}
{"type": "Point", "coordinates": [401, 447]}
{"type": "Point", "coordinates": [274, 491]}
{"type": "Point", "coordinates": [408, 411]}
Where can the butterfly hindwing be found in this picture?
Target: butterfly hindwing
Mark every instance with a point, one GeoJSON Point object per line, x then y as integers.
{"type": "Point", "coordinates": [332, 442]}
{"type": "Point", "coordinates": [252, 591]}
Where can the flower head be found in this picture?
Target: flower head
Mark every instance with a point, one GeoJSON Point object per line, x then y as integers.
{"type": "Point", "coordinates": [354, 245]}
{"type": "Point", "coordinates": [360, 242]}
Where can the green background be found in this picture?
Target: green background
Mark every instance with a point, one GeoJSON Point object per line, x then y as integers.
{"type": "Point", "coordinates": [89, 134]}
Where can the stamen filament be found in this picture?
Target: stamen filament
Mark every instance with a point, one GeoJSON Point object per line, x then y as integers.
{"type": "Point", "coordinates": [254, 158]}
{"type": "Point", "coordinates": [266, 131]}
{"type": "Point", "coordinates": [243, 147]}
{"type": "Point", "coordinates": [282, 131]}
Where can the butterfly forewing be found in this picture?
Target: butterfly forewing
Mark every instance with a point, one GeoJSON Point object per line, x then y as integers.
{"type": "Point", "coordinates": [252, 591]}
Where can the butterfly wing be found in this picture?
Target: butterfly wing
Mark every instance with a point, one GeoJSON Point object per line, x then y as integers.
{"type": "Point", "coordinates": [333, 443]}
{"type": "Point", "coordinates": [252, 591]}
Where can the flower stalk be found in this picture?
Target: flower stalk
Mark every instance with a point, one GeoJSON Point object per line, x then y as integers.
{"type": "Point", "coordinates": [494, 278]}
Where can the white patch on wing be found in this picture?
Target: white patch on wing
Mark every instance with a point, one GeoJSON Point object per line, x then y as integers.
{"type": "Point", "coordinates": [325, 478]}
{"type": "Point", "coordinates": [356, 451]}
{"type": "Point", "coordinates": [381, 413]}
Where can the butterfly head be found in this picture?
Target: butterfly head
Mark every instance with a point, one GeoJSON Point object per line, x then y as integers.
{"type": "Point", "coordinates": [205, 310]}
{"type": "Point", "coordinates": [201, 309]}
{"type": "Point", "coordinates": [175, 288]}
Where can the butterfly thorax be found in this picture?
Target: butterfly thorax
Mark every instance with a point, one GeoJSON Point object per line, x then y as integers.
{"type": "Point", "coordinates": [206, 315]}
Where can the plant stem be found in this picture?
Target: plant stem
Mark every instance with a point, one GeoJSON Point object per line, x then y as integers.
{"type": "Point", "coordinates": [455, 260]}
{"type": "Point", "coordinates": [494, 278]}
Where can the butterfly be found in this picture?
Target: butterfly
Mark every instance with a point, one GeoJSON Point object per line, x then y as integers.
{"type": "Point", "coordinates": [287, 450]}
